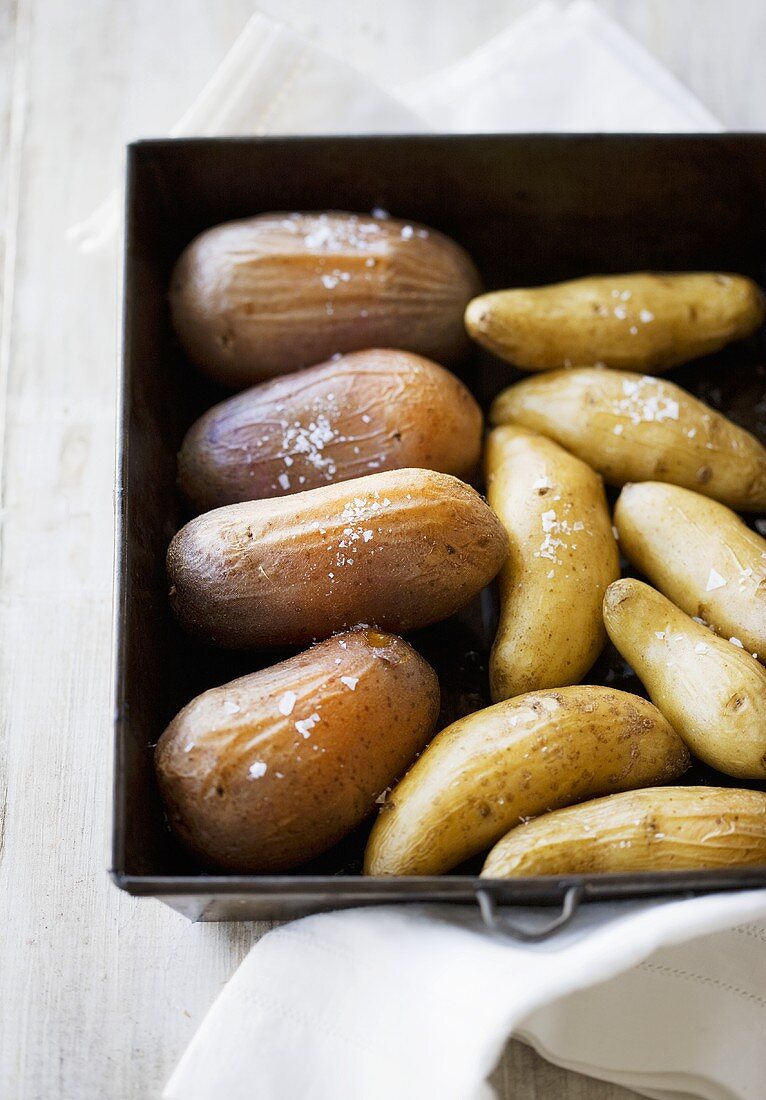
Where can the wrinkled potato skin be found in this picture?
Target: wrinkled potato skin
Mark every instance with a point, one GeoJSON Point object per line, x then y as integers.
{"type": "Point", "coordinates": [631, 427]}
{"type": "Point", "coordinates": [263, 296]}
{"type": "Point", "coordinates": [660, 829]}
{"type": "Point", "coordinates": [395, 550]}
{"type": "Point", "coordinates": [676, 538]}
{"type": "Point", "coordinates": [372, 410]}
{"type": "Point", "coordinates": [550, 628]}
{"type": "Point", "coordinates": [308, 792]}
{"type": "Point", "coordinates": [712, 693]}
{"type": "Point", "coordinates": [644, 321]}
{"type": "Point", "coordinates": [483, 774]}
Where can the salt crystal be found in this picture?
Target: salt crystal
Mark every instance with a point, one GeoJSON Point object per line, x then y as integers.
{"type": "Point", "coordinates": [645, 316]}
{"type": "Point", "coordinates": [619, 429]}
{"type": "Point", "coordinates": [660, 634]}
{"type": "Point", "coordinates": [350, 682]}
{"type": "Point", "coordinates": [284, 481]}
{"type": "Point", "coordinates": [257, 769]}
{"type": "Point", "coordinates": [287, 702]}
{"type": "Point", "coordinates": [715, 580]}
{"type": "Point", "coordinates": [231, 707]}
{"type": "Point", "coordinates": [736, 642]}
{"type": "Point", "coordinates": [700, 647]}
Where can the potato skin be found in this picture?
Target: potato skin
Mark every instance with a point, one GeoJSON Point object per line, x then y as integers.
{"type": "Point", "coordinates": [712, 693]}
{"type": "Point", "coordinates": [700, 555]}
{"type": "Point", "coordinates": [272, 769]}
{"type": "Point", "coordinates": [562, 556]}
{"type": "Point", "coordinates": [396, 550]}
{"type": "Point", "coordinates": [632, 427]}
{"type": "Point", "coordinates": [266, 295]}
{"type": "Point", "coordinates": [643, 321]}
{"type": "Point", "coordinates": [660, 829]}
{"type": "Point", "coordinates": [378, 409]}
{"type": "Point", "coordinates": [488, 771]}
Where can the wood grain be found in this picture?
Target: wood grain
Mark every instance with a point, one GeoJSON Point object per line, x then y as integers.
{"type": "Point", "coordinates": [101, 993]}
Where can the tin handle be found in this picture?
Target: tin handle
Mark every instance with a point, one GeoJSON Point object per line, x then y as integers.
{"type": "Point", "coordinates": [496, 923]}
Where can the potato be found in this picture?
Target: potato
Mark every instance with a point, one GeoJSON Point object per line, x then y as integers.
{"type": "Point", "coordinates": [372, 410]}
{"type": "Point", "coordinates": [712, 693]}
{"type": "Point", "coordinates": [661, 829]}
{"type": "Point", "coordinates": [563, 555]}
{"type": "Point", "coordinates": [274, 293]}
{"type": "Point", "coordinates": [643, 321]}
{"type": "Point", "coordinates": [632, 427]}
{"type": "Point", "coordinates": [272, 769]}
{"type": "Point", "coordinates": [397, 550]}
{"type": "Point", "coordinates": [701, 555]}
{"type": "Point", "coordinates": [485, 773]}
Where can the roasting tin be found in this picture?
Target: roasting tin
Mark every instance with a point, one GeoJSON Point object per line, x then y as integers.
{"type": "Point", "coordinates": [529, 209]}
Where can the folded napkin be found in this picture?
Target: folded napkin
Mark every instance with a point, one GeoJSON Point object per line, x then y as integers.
{"type": "Point", "coordinates": [417, 1002]}
{"type": "Point", "coordinates": [663, 997]}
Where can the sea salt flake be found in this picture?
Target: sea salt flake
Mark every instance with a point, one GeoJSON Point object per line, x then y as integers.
{"type": "Point", "coordinates": [715, 580]}
{"type": "Point", "coordinates": [305, 725]}
{"type": "Point", "coordinates": [645, 316]}
{"type": "Point", "coordinates": [350, 682]}
{"type": "Point", "coordinates": [230, 707]}
{"type": "Point", "coordinates": [660, 634]}
{"type": "Point", "coordinates": [287, 702]}
{"type": "Point", "coordinates": [700, 647]}
{"type": "Point", "coordinates": [284, 481]}
{"type": "Point", "coordinates": [736, 642]}
{"type": "Point", "coordinates": [257, 769]}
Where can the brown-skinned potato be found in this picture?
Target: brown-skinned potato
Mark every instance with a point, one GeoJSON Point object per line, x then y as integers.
{"type": "Point", "coordinates": [378, 409]}
{"type": "Point", "coordinates": [486, 772]}
{"type": "Point", "coordinates": [278, 292]}
{"type": "Point", "coordinates": [700, 555]}
{"type": "Point", "coordinates": [641, 321]}
{"type": "Point", "coordinates": [632, 427]}
{"type": "Point", "coordinates": [562, 556]}
{"type": "Point", "coordinates": [395, 550]}
{"type": "Point", "coordinates": [274, 768]}
{"type": "Point", "coordinates": [660, 829]}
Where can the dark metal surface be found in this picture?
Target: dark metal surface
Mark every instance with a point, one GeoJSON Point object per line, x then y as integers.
{"type": "Point", "coordinates": [530, 209]}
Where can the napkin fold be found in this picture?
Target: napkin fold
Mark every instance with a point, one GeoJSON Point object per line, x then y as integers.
{"type": "Point", "coordinates": [662, 997]}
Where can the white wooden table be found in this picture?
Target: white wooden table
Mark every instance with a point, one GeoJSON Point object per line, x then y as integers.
{"type": "Point", "coordinates": [100, 993]}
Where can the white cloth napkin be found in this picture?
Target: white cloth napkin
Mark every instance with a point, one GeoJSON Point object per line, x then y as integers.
{"type": "Point", "coordinates": [667, 998]}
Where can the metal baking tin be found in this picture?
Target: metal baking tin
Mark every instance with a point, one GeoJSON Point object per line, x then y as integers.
{"type": "Point", "coordinates": [530, 209]}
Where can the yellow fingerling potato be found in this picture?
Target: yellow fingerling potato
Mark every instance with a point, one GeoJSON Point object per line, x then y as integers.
{"type": "Point", "coordinates": [633, 427]}
{"type": "Point", "coordinates": [562, 556]}
{"type": "Point", "coordinates": [712, 692]}
{"type": "Point", "coordinates": [660, 829]}
{"type": "Point", "coordinates": [700, 555]}
{"type": "Point", "coordinates": [642, 321]}
{"type": "Point", "coordinates": [485, 773]}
